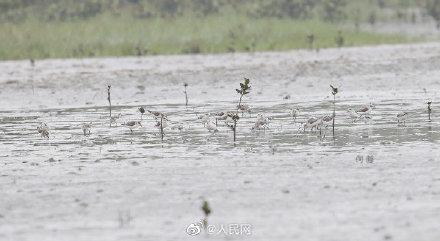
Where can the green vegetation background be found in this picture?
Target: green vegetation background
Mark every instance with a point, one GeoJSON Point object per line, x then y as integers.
{"type": "Point", "coordinates": [85, 28]}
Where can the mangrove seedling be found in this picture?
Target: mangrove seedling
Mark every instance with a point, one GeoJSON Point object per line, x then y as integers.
{"type": "Point", "coordinates": [244, 90]}
{"type": "Point", "coordinates": [334, 92]}
{"type": "Point", "coordinates": [142, 111]}
{"type": "Point", "coordinates": [185, 85]}
{"type": "Point", "coordinates": [109, 102]}
{"type": "Point", "coordinates": [206, 210]}
{"type": "Point", "coordinates": [429, 110]}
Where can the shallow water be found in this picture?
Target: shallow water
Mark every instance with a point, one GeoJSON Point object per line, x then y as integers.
{"type": "Point", "coordinates": [373, 179]}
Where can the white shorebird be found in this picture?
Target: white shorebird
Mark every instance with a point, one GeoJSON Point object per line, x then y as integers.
{"type": "Point", "coordinates": [366, 109]}
{"type": "Point", "coordinates": [294, 113]}
{"type": "Point", "coordinates": [220, 116]}
{"type": "Point", "coordinates": [158, 115]}
{"type": "Point", "coordinates": [204, 118]}
{"type": "Point", "coordinates": [261, 123]}
{"type": "Point", "coordinates": [356, 115]}
{"type": "Point", "coordinates": [114, 119]}
{"type": "Point", "coordinates": [43, 130]}
{"type": "Point", "coordinates": [353, 114]}
{"type": "Point", "coordinates": [86, 128]}
{"type": "Point", "coordinates": [211, 127]}
{"type": "Point", "coordinates": [243, 108]}
{"type": "Point", "coordinates": [164, 124]}
{"type": "Point", "coordinates": [401, 118]}
{"type": "Point", "coordinates": [178, 126]}
{"type": "Point", "coordinates": [133, 125]}
{"type": "Point", "coordinates": [327, 119]}
{"type": "Point", "coordinates": [208, 123]}
{"type": "Point", "coordinates": [313, 123]}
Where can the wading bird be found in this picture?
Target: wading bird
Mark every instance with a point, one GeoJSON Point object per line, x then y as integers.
{"type": "Point", "coordinates": [294, 113]}
{"type": "Point", "coordinates": [261, 123]}
{"type": "Point", "coordinates": [401, 118]}
{"type": "Point", "coordinates": [133, 125]}
{"type": "Point", "coordinates": [244, 109]}
{"type": "Point", "coordinates": [313, 123]}
{"type": "Point", "coordinates": [86, 128]}
{"type": "Point", "coordinates": [43, 130]}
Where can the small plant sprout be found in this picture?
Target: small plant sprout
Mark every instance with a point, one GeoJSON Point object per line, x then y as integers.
{"type": "Point", "coordinates": [334, 92]}
{"type": "Point", "coordinates": [207, 211]}
{"type": "Point", "coordinates": [429, 110]}
{"type": "Point", "coordinates": [185, 85]}
{"type": "Point", "coordinates": [244, 90]}
{"type": "Point", "coordinates": [142, 111]}
{"type": "Point", "coordinates": [109, 103]}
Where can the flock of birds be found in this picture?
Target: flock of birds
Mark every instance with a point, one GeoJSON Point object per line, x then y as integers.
{"type": "Point", "coordinates": [210, 121]}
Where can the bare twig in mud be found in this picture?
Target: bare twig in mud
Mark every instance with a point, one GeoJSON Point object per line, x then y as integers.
{"type": "Point", "coordinates": [244, 90]}
{"type": "Point", "coordinates": [334, 92]}
{"type": "Point", "coordinates": [110, 103]}
{"type": "Point", "coordinates": [207, 211]}
{"type": "Point", "coordinates": [429, 110]}
{"type": "Point", "coordinates": [185, 85]}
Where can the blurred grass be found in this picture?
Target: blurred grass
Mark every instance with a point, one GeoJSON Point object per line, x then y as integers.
{"type": "Point", "coordinates": [107, 35]}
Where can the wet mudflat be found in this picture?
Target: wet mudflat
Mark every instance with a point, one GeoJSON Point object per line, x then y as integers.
{"type": "Point", "coordinates": [375, 180]}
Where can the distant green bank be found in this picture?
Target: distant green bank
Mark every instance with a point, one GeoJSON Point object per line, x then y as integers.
{"type": "Point", "coordinates": [108, 35]}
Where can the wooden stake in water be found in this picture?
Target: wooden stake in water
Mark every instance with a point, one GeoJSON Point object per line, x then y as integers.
{"type": "Point", "coordinates": [110, 103]}
{"type": "Point", "coordinates": [334, 92]}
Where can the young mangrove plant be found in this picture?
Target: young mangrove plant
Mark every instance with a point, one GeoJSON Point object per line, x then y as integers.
{"type": "Point", "coordinates": [207, 211]}
{"type": "Point", "coordinates": [109, 103]}
{"type": "Point", "coordinates": [429, 110]}
{"type": "Point", "coordinates": [334, 92]}
{"type": "Point", "coordinates": [185, 85]}
{"type": "Point", "coordinates": [244, 90]}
